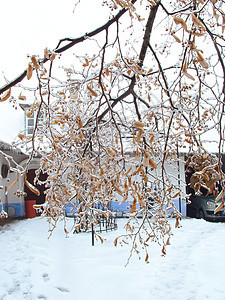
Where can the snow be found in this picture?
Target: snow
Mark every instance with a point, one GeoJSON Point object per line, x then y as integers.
{"type": "Point", "coordinates": [35, 267]}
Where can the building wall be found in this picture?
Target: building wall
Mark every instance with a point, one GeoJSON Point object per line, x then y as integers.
{"type": "Point", "coordinates": [12, 201]}
{"type": "Point", "coordinates": [176, 177]}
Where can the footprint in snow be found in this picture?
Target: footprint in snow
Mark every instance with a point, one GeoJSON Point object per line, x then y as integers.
{"type": "Point", "coordinates": [62, 289]}
{"type": "Point", "coordinates": [45, 277]}
{"type": "Point", "coordinates": [42, 297]}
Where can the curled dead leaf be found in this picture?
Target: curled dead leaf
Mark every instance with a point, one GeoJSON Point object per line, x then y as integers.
{"type": "Point", "coordinates": [146, 258]}
{"type": "Point", "coordinates": [124, 199]}
{"type": "Point", "coordinates": [37, 206]}
{"type": "Point", "coordinates": [13, 184]}
{"type": "Point", "coordinates": [197, 22]}
{"type": "Point", "coordinates": [29, 71]}
{"type": "Point", "coordinates": [30, 186]}
{"type": "Point", "coordinates": [177, 222]}
{"type": "Point", "coordinates": [66, 231]}
{"type": "Point", "coordinates": [184, 70]}
{"type": "Point", "coordinates": [164, 250]}
{"type": "Point", "coordinates": [138, 124]}
{"type": "Point", "coordinates": [219, 207]}
{"type": "Point", "coordinates": [52, 57]}
{"type": "Point", "coordinates": [140, 132]}
{"type": "Point", "coordinates": [21, 97]}
{"type": "Point", "coordinates": [180, 21]}
{"type": "Point", "coordinates": [152, 163]}
{"type": "Point", "coordinates": [6, 97]}
{"type": "Point", "coordinates": [202, 61]}
{"type": "Point", "coordinates": [46, 53]}
{"type": "Point", "coordinates": [145, 161]}
{"type": "Point", "coordinates": [92, 91]}
{"type": "Point", "coordinates": [22, 137]}
{"type": "Point", "coordinates": [195, 33]}
{"type": "Point", "coordinates": [176, 38]}
{"type": "Point", "coordinates": [100, 238]}
{"type": "Point", "coordinates": [133, 206]}
{"type": "Point", "coordinates": [35, 63]}
{"type": "Point", "coordinates": [220, 196]}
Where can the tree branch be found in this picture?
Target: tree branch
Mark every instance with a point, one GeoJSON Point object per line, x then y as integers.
{"type": "Point", "coordinates": [71, 43]}
{"type": "Point", "coordinates": [218, 52]}
{"type": "Point", "coordinates": [142, 55]}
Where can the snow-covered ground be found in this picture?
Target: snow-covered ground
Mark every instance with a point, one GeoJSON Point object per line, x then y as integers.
{"type": "Point", "coordinates": [35, 267]}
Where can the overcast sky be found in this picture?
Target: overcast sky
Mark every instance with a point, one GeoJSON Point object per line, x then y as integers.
{"type": "Point", "coordinates": [28, 27]}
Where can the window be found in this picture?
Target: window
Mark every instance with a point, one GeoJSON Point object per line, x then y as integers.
{"type": "Point", "coordinates": [31, 123]}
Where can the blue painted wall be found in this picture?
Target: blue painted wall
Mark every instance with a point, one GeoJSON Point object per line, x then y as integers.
{"type": "Point", "coordinates": [14, 209]}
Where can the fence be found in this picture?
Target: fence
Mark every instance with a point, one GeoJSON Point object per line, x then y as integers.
{"type": "Point", "coordinates": [102, 224]}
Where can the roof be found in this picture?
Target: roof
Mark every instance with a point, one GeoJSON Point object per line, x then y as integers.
{"type": "Point", "coordinates": [16, 153]}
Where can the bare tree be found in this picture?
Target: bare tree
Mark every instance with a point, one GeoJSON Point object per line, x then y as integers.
{"type": "Point", "coordinates": [151, 80]}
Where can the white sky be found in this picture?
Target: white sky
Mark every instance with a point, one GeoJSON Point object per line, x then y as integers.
{"type": "Point", "coordinates": [28, 27]}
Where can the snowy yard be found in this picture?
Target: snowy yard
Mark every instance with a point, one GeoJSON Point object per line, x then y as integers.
{"type": "Point", "coordinates": [35, 267]}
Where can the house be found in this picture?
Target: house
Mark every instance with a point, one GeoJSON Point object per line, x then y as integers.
{"type": "Point", "coordinates": [15, 203]}
{"type": "Point", "coordinates": [16, 199]}
{"type": "Point", "coordinates": [12, 201]}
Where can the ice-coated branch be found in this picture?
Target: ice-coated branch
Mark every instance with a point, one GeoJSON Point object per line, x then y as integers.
{"type": "Point", "coordinates": [72, 42]}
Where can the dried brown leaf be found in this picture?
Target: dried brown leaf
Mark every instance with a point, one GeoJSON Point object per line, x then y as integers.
{"type": "Point", "coordinates": [146, 258]}
{"type": "Point", "coordinates": [220, 196]}
{"type": "Point", "coordinates": [13, 184]}
{"type": "Point", "coordinates": [86, 62]}
{"type": "Point", "coordinates": [22, 136]}
{"type": "Point", "coordinates": [53, 56]}
{"type": "Point", "coordinates": [164, 250]}
{"type": "Point", "coordinates": [180, 21]}
{"type": "Point", "coordinates": [128, 171]}
{"type": "Point", "coordinates": [35, 63]}
{"type": "Point", "coordinates": [133, 206]}
{"type": "Point", "coordinates": [29, 71]}
{"type": "Point", "coordinates": [30, 186]}
{"type": "Point", "coordinates": [124, 199]}
{"type": "Point", "coordinates": [6, 97]}
{"type": "Point", "coordinates": [92, 91]}
{"type": "Point", "coordinates": [197, 22]}
{"type": "Point", "coordinates": [177, 222]}
{"type": "Point", "coordinates": [21, 97]}
{"type": "Point", "coordinates": [219, 207]}
{"type": "Point", "coordinates": [100, 238]}
{"type": "Point", "coordinates": [46, 53]}
{"type": "Point", "coordinates": [202, 61]}
{"type": "Point", "coordinates": [66, 231]}
{"type": "Point", "coordinates": [184, 70]}
{"type": "Point", "coordinates": [176, 195]}
{"type": "Point", "coordinates": [176, 38]}
{"type": "Point", "coordinates": [138, 124]}
{"type": "Point", "coordinates": [152, 163]}
{"type": "Point", "coordinates": [140, 132]}
{"type": "Point", "coordinates": [145, 161]}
